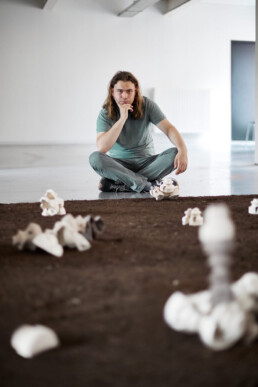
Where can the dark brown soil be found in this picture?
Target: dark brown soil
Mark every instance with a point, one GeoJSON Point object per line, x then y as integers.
{"type": "Point", "coordinates": [106, 303]}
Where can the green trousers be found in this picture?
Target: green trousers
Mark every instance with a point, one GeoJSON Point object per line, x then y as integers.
{"type": "Point", "coordinates": [134, 173]}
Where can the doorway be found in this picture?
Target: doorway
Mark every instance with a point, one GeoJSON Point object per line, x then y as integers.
{"type": "Point", "coordinates": [242, 90]}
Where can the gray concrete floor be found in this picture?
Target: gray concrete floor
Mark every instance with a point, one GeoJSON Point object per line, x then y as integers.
{"type": "Point", "coordinates": [26, 172]}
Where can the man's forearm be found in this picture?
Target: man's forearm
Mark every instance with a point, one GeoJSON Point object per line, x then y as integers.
{"type": "Point", "coordinates": [175, 137]}
{"type": "Point", "coordinates": [107, 139]}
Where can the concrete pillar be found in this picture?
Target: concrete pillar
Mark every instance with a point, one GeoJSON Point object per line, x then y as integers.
{"type": "Point", "coordinates": [256, 84]}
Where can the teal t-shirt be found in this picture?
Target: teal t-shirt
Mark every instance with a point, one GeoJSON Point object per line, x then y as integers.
{"type": "Point", "coordinates": [135, 139]}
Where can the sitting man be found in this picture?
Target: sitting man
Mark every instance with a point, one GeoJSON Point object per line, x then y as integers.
{"type": "Point", "coordinates": [124, 130]}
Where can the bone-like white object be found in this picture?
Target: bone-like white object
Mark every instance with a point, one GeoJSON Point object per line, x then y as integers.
{"type": "Point", "coordinates": [156, 193]}
{"type": "Point", "coordinates": [193, 217]}
{"type": "Point", "coordinates": [218, 226]}
{"type": "Point", "coordinates": [196, 218]}
{"type": "Point", "coordinates": [29, 340]}
{"type": "Point", "coordinates": [245, 291]}
{"type": "Point", "coordinates": [166, 190]}
{"type": "Point", "coordinates": [25, 239]}
{"type": "Point", "coordinates": [224, 326]}
{"type": "Point", "coordinates": [225, 313]}
{"type": "Point", "coordinates": [167, 185]}
{"type": "Point", "coordinates": [220, 326]}
{"type": "Point", "coordinates": [253, 208]}
{"type": "Point", "coordinates": [186, 217]}
{"type": "Point", "coordinates": [48, 242]}
{"type": "Point", "coordinates": [51, 204]}
{"type": "Point", "coordinates": [180, 314]}
{"type": "Point", "coordinates": [67, 233]}
{"type": "Point", "coordinates": [71, 238]}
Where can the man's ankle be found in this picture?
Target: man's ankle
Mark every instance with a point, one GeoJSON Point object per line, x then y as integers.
{"type": "Point", "coordinates": [147, 187]}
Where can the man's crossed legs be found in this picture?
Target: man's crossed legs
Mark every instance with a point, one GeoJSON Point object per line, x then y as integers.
{"type": "Point", "coordinates": [136, 174]}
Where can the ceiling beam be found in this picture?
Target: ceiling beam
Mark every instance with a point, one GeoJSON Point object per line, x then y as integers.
{"type": "Point", "coordinates": [137, 7]}
{"type": "Point", "coordinates": [174, 5]}
{"type": "Point", "coordinates": [49, 4]}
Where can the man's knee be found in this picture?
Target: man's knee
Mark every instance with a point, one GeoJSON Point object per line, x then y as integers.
{"type": "Point", "coordinates": [171, 152]}
{"type": "Point", "coordinates": [95, 159]}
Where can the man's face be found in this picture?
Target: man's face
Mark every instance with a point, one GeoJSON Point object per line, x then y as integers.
{"type": "Point", "coordinates": [124, 92]}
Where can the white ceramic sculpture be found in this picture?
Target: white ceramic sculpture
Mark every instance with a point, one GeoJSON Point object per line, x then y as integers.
{"type": "Point", "coordinates": [24, 239]}
{"type": "Point", "coordinates": [67, 233]}
{"type": "Point", "coordinates": [73, 232]}
{"type": "Point", "coordinates": [51, 204]}
{"type": "Point", "coordinates": [29, 340]}
{"type": "Point", "coordinates": [193, 217]}
{"type": "Point", "coordinates": [168, 189]}
{"type": "Point", "coordinates": [33, 237]}
{"type": "Point", "coordinates": [196, 218]}
{"type": "Point", "coordinates": [48, 242]}
{"type": "Point", "coordinates": [186, 217]}
{"type": "Point", "coordinates": [253, 208]}
{"type": "Point", "coordinates": [225, 313]}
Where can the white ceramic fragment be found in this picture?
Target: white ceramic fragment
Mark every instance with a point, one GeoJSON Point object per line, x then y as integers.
{"type": "Point", "coordinates": [218, 226]}
{"type": "Point", "coordinates": [168, 189]}
{"type": "Point", "coordinates": [193, 217]}
{"type": "Point", "coordinates": [48, 242]}
{"type": "Point", "coordinates": [24, 239]}
{"type": "Point", "coordinates": [186, 217]}
{"type": "Point", "coordinates": [245, 291]}
{"type": "Point", "coordinates": [30, 340]}
{"type": "Point", "coordinates": [71, 238]}
{"type": "Point", "coordinates": [51, 204]}
{"type": "Point", "coordinates": [225, 313]}
{"type": "Point", "coordinates": [196, 218]}
{"type": "Point", "coordinates": [253, 208]}
{"type": "Point", "coordinates": [217, 237]}
{"type": "Point", "coordinates": [156, 193]}
{"type": "Point", "coordinates": [67, 234]}
{"type": "Point", "coordinates": [93, 227]}
{"type": "Point", "coordinates": [73, 232]}
{"type": "Point", "coordinates": [180, 314]}
{"type": "Point", "coordinates": [224, 326]}
{"type": "Point", "coordinates": [219, 326]}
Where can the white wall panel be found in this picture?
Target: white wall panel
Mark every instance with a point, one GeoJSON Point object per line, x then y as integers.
{"type": "Point", "coordinates": [55, 65]}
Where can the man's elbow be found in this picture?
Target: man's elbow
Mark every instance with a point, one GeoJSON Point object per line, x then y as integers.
{"type": "Point", "coordinates": [102, 149]}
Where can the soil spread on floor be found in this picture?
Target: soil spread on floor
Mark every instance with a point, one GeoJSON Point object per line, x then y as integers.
{"type": "Point", "coordinates": [106, 303]}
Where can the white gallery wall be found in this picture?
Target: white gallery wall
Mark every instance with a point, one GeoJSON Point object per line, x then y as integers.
{"type": "Point", "coordinates": [55, 66]}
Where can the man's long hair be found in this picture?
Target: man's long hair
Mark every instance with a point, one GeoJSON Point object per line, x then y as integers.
{"type": "Point", "coordinates": [110, 103]}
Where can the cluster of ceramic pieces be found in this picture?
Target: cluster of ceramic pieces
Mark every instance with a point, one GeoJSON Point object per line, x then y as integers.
{"type": "Point", "coordinates": [193, 217]}
{"type": "Point", "coordinates": [226, 312]}
{"type": "Point", "coordinates": [51, 204]}
{"type": "Point", "coordinates": [167, 189]}
{"type": "Point", "coordinates": [73, 232]}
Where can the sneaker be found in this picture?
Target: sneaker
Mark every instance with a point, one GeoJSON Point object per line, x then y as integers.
{"type": "Point", "coordinates": [107, 185]}
{"type": "Point", "coordinates": [150, 185]}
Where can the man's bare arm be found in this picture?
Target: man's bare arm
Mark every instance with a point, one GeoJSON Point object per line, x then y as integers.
{"type": "Point", "coordinates": [174, 136]}
{"type": "Point", "coordinates": [105, 140]}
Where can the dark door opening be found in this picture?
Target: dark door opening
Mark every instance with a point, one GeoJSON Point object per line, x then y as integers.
{"type": "Point", "coordinates": [242, 90]}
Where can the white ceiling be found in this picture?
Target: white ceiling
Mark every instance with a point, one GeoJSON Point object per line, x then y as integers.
{"type": "Point", "coordinates": [117, 6]}
{"type": "Point", "coordinates": [231, 2]}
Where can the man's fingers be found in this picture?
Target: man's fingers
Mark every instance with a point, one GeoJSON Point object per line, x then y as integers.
{"type": "Point", "coordinates": [179, 167]}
